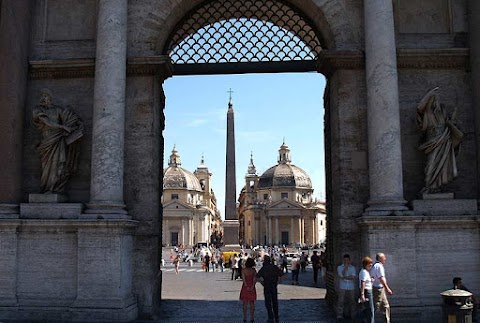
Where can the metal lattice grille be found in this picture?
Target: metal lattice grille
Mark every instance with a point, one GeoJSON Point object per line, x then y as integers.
{"type": "Point", "coordinates": [235, 31]}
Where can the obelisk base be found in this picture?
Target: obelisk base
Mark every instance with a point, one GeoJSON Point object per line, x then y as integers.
{"type": "Point", "coordinates": [230, 233]}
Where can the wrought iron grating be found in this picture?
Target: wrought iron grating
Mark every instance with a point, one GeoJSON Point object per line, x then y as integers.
{"type": "Point", "coordinates": [234, 31]}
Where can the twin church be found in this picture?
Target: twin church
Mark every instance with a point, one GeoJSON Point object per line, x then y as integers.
{"type": "Point", "coordinates": [275, 208]}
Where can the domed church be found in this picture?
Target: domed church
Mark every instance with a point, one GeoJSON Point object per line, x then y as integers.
{"type": "Point", "coordinates": [277, 208]}
{"type": "Point", "coordinates": [190, 213]}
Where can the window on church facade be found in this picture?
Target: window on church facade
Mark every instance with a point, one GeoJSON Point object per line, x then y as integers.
{"type": "Point", "coordinates": [265, 196]}
{"type": "Point", "coordinates": [174, 196]}
{"type": "Point", "coordinates": [284, 195]}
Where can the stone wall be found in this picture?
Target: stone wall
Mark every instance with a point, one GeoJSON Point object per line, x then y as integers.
{"type": "Point", "coordinates": [424, 253]}
{"type": "Point", "coordinates": [143, 172]}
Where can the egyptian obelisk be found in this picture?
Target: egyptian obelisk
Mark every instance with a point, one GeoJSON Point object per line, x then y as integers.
{"type": "Point", "coordinates": [231, 224]}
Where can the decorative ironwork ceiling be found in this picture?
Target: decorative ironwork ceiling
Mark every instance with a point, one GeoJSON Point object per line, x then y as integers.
{"type": "Point", "coordinates": [243, 31]}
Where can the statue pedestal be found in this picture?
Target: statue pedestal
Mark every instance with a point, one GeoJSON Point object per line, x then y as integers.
{"type": "Point", "coordinates": [50, 210]}
{"type": "Point", "coordinates": [47, 198]}
{"type": "Point", "coordinates": [230, 233]}
{"type": "Point", "coordinates": [9, 211]}
{"type": "Point", "coordinates": [444, 204]}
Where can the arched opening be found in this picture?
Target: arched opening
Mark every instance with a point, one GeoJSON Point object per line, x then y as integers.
{"type": "Point", "coordinates": [232, 37]}
{"type": "Point", "coordinates": [240, 37]}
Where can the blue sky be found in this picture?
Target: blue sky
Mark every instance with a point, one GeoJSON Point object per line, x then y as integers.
{"type": "Point", "coordinates": [268, 108]}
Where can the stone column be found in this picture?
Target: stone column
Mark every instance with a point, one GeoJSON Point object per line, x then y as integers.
{"type": "Point", "coordinates": [14, 44]}
{"type": "Point", "coordinates": [269, 234]}
{"type": "Point", "coordinates": [106, 189]}
{"type": "Point", "coordinates": [474, 32]}
{"type": "Point", "coordinates": [190, 231]}
{"type": "Point", "coordinates": [292, 230]}
{"type": "Point", "coordinates": [183, 231]}
{"type": "Point", "coordinates": [299, 229]}
{"type": "Point", "coordinates": [384, 140]}
{"type": "Point", "coordinates": [167, 232]}
{"type": "Point", "coordinates": [277, 233]}
{"type": "Point", "coordinates": [257, 230]}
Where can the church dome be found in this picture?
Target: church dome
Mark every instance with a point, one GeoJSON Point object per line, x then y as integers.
{"type": "Point", "coordinates": [284, 174]}
{"type": "Point", "coordinates": [176, 177]}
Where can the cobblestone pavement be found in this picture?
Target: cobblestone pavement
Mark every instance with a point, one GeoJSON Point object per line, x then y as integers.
{"type": "Point", "coordinates": [196, 296]}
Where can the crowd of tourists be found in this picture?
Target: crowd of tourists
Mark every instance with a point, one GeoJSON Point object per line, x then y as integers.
{"type": "Point", "coordinates": [359, 295]}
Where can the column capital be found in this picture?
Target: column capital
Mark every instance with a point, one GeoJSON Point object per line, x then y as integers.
{"type": "Point", "coordinates": [159, 65]}
{"type": "Point", "coordinates": [330, 61]}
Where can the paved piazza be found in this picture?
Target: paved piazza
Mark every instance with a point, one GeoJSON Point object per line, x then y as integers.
{"type": "Point", "coordinates": [196, 296]}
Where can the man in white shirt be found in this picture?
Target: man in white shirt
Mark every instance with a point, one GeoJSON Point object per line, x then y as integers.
{"type": "Point", "coordinates": [380, 286]}
{"type": "Point", "coordinates": [295, 269]}
{"type": "Point", "coordinates": [346, 293]}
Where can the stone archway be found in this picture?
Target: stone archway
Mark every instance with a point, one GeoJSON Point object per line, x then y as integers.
{"type": "Point", "coordinates": [337, 65]}
{"type": "Point", "coordinates": [112, 74]}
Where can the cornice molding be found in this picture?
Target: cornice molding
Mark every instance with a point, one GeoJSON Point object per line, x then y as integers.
{"type": "Point", "coordinates": [328, 62]}
{"type": "Point", "coordinates": [68, 68]}
{"type": "Point", "coordinates": [452, 58]}
{"type": "Point", "coordinates": [331, 60]}
{"type": "Point", "coordinates": [78, 68]}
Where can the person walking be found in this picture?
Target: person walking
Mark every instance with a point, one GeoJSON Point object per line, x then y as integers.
{"type": "Point", "coordinates": [270, 275]}
{"type": "Point", "coordinates": [213, 261]}
{"type": "Point", "coordinates": [295, 269]}
{"type": "Point", "coordinates": [303, 262]}
{"type": "Point", "coordinates": [176, 263]}
{"type": "Point", "coordinates": [380, 286]}
{"type": "Point", "coordinates": [367, 314]}
{"type": "Point", "coordinates": [207, 262]}
{"type": "Point", "coordinates": [248, 293]}
{"type": "Point", "coordinates": [346, 292]}
{"type": "Point", "coordinates": [221, 262]}
{"type": "Point", "coordinates": [284, 263]}
{"type": "Point", "coordinates": [234, 266]}
{"type": "Point", "coordinates": [316, 264]}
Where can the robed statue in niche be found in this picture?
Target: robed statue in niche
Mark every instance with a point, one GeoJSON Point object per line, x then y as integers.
{"type": "Point", "coordinates": [441, 142]}
{"type": "Point", "coordinates": [59, 148]}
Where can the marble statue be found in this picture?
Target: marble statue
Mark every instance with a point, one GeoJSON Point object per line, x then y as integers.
{"type": "Point", "coordinates": [441, 142]}
{"type": "Point", "coordinates": [59, 147]}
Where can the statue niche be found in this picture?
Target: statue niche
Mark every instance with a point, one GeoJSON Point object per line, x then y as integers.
{"type": "Point", "coordinates": [59, 147]}
{"type": "Point", "coordinates": [441, 142]}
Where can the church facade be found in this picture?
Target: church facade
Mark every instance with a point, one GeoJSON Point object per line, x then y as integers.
{"type": "Point", "coordinates": [277, 208]}
{"type": "Point", "coordinates": [190, 213]}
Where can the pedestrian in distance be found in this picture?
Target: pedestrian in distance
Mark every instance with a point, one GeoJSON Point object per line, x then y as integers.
{"type": "Point", "coordinates": [303, 262]}
{"type": "Point", "coordinates": [367, 311]}
{"type": "Point", "coordinates": [316, 264]}
{"type": "Point", "coordinates": [176, 263]}
{"type": "Point", "coordinates": [240, 264]}
{"type": "Point", "coordinates": [295, 269]}
{"type": "Point", "coordinates": [270, 275]}
{"type": "Point", "coordinates": [380, 286]}
{"type": "Point", "coordinates": [207, 262]}
{"type": "Point", "coordinates": [346, 291]}
{"type": "Point", "coordinates": [221, 262]}
{"type": "Point", "coordinates": [248, 293]}
{"type": "Point", "coordinates": [284, 263]}
{"type": "Point", "coordinates": [234, 266]}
